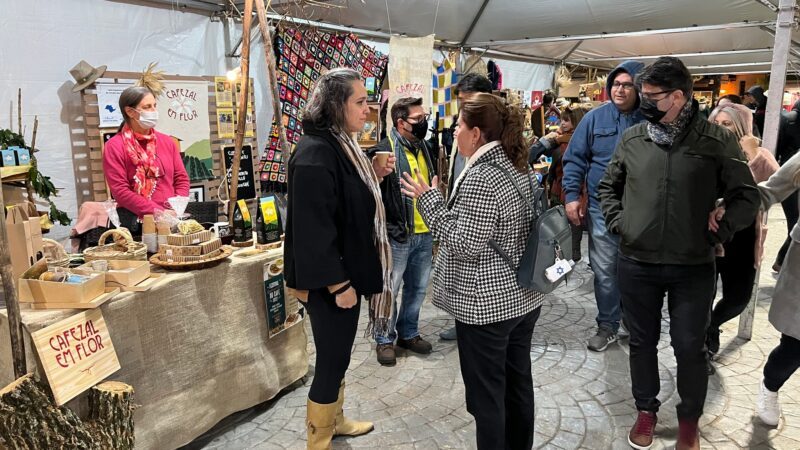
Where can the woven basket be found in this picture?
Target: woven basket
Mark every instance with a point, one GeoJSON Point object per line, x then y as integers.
{"type": "Point", "coordinates": [54, 253]}
{"type": "Point", "coordinates": [130, 250]}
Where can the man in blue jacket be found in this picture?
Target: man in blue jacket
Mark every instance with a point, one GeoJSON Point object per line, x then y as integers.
{"type": "Point", "coordinates": [585, 161]}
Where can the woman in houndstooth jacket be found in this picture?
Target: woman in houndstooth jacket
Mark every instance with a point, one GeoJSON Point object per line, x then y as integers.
{"type": "Point", "coordinates": [495, 317]}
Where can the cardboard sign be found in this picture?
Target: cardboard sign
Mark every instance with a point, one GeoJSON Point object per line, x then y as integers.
{"type": "Point", "coordinates": [76, 353]}
{"type": "Point", "coordinates": [247, 184]}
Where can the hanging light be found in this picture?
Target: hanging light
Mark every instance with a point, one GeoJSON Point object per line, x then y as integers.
{"type": "Point", "coordinates": [234, 74]}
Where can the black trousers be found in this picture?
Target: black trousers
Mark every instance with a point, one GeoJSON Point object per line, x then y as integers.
{"type": "Point", "coordinates": [334, 331]}
{"type": "Point", "coordinates": [783, 361]}
{"type": "Point", "coordinates": [496, 367]}
{"type": "Point", "coordinates": [738, 273]}
{"type": "Point", "coordinates": [689, 291]}
{"type": "Point", "coordinates": [791, 210]}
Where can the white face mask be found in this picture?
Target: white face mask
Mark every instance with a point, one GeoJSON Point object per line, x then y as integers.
{"type": "Point", "coordinates": [148, 119]}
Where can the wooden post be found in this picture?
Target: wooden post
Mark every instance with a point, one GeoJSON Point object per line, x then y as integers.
{"type": "Point", "coordinates": [29, 182]}
{"type": "Point", "coordinates": [261, 10]}
{"type": "Point", "coordinates": [10, 296]}
{"type": "Point", "coordinates": [247, 19]}
{"type": "Point", "coordinates": [19, 111]}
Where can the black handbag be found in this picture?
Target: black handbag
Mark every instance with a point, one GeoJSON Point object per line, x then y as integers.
{"type": "Point", "coordinates": [550, 238]}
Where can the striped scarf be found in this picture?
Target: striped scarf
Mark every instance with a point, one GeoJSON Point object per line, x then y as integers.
{"type": "Point", "coordinates": [380, 305]}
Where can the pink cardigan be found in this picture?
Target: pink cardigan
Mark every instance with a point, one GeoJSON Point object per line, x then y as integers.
{"type": "Point", "coordinates": [119, 171]}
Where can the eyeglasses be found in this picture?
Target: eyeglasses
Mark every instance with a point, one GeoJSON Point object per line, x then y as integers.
{"type": "Point", "coordinates": [418, 119]}
{"type": "Point", "coordinates": [625, 86]}
{"type": "Point", "coordinates": [650, 95]}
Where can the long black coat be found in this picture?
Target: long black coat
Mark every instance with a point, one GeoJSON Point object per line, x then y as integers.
{"type": "Point", "coordinates": [330, 219]}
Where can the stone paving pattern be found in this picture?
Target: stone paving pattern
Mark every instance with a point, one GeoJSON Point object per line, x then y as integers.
{"type": "Point", "coordinates": [583, 399]}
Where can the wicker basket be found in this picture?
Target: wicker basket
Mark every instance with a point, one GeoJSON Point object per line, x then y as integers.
{"type": "Point", "coordinates": [54, 253]}
{"type": "Point", "coordinates": [130, 250]}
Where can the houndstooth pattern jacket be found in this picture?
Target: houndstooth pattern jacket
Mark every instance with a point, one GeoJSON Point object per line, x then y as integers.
{"type": "Point", "coordinates": [471, 281]}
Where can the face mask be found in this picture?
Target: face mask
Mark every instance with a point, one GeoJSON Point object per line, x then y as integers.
{"type": "Point", "coordinates": [148, 119]}
{"type": "Point", "coordinates": [650, 111]}
{"type": "Point", "coordinates": [419, 130]}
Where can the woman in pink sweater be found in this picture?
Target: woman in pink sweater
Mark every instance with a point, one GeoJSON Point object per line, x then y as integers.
{"type": "Point", "coordinates": [143, 167]}
{"type": "Point", "coordinates": [742, 254]}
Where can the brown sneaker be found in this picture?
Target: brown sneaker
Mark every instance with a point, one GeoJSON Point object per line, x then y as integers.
{"type": "Point", "coordinates": [386, 356]}
{"type": "Point", "coordinates": [641, 435]}
{"type": "Point", "coordinates": [688, 435]}
{"type": "Point", "coordinates": [416, 345]}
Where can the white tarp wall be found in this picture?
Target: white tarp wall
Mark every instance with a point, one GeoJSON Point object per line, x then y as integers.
{"type": "Point", "coordinates": [43, 39]}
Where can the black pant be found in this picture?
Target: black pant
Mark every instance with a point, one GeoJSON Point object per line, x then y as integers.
{"type": "Point", "coordinates": [738, 272]}
{"type": "Point", "coordinates": [689, 290]}
{"type": "Point", "coordinates": [792, 211]}
{"type": "Point", "coordinates": [782, 363]}
{"type": "Point", "coordinates": [334, 331]}
{"type": "Point", "coordinates": [496, 367]}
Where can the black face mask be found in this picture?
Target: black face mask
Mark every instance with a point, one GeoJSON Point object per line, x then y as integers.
{"type": "Point", "coordinates": [650, 111]}
{"type": "Point", "coordinates": [419, 129]}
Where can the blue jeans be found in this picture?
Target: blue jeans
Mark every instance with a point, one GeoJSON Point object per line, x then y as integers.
{"type": "Point", "coordinates": [603, 252]}
{"type": "Point", "coordinates": [411, 269]}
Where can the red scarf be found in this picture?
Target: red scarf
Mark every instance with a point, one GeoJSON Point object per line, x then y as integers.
{"type": "Point", "coordinates": [147, 172]}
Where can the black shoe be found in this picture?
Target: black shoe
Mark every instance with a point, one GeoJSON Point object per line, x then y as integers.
{"type": "Point", "coordinates": [712, 341]}
{"type": "Point", "coordinates": [416, 345]}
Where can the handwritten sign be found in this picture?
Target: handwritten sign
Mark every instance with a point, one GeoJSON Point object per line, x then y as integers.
{"type": "Point", "coordinates": [410, 69]}
{"type": "Point", "coordinates": [247, 183]}
{"type": "Point", "coordinates": [76, 353]}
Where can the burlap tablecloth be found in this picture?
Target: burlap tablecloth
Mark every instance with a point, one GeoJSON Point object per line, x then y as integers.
{"type": "Point", "coordinates": [195, 348]}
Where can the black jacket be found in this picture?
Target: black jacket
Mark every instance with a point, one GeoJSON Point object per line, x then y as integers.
{"type": "Point", "coordinates": [658, 197]}
{"type": "Point", "coordinates": [330, 219]}
{"type": "Point", "coordinates": [399, 208]}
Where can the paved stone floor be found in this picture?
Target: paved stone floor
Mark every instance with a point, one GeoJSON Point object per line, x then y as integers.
{"type": "Point", "coordinates": [583, 399]}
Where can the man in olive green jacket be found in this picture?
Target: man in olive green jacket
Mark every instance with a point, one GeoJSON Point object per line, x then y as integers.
{"type": "Point", "coordinates": [658, 190]}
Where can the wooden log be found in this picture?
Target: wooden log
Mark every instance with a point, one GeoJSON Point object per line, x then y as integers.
{"type": "Point", "coordinates": [247, 20]}
{"type": "Point", "coordinates": [19, 111]}
{"type": "Point", "coordinates": [111, 415]}
{"type": "Point", "coordinates": [10, 297]}
{"type": "Point", "coordinates": [29, 419]}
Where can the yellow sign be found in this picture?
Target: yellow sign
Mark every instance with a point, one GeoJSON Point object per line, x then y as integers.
{"type": "Point", "coordinates": [76, 353]}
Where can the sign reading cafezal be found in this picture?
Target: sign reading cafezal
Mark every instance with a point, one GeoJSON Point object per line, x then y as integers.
{"type": "Point", "coordinates": [183, 113]}
{"type": "Point", "coordinates": [76, 353]}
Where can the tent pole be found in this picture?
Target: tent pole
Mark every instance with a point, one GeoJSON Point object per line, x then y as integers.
{"type": "Point", "coordinates": [244, 100]}
{"type": "Point", "coordinates": [261, 11]}
{"type": "Point", "coordinates": [780, 59]}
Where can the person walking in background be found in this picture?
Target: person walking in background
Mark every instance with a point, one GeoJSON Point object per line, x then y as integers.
{"type": "Point", "coordinates": [742, 254]}
{"type": "Point", "coordinates": [589, 151]}
{"type": "Point", "coordinates": [755, 99]}
{"type": "Point", "coordinates": [495, 316]}
{"type": "Point", "coordinates": [409, 237]}
{"type": "Point", "coordinates": [656, 194]}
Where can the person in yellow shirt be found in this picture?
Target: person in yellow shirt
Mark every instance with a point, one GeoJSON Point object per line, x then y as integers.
{"type": "Point", "coordinates": [409, 236]}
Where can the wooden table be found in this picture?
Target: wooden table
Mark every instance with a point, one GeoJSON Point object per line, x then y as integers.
{"type": "Point", "coordinates": [195, 348]}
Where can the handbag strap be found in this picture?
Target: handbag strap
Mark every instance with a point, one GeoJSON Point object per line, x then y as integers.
{"type": "Point", "coordinates": [539, 199]}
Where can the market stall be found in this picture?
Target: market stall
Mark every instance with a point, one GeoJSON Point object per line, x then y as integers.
{"type": "Point", "coordinates": [196, 347]}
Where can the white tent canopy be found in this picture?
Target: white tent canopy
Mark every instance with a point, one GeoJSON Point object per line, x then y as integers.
{"type": "Point", "coordinates": [734, 36]}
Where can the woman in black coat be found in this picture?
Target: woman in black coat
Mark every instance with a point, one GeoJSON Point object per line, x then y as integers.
{"type": "Point", "coordinates": [336, 245]}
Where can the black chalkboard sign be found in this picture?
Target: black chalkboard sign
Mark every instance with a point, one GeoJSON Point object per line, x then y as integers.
{"type": "Point", "coordinates": [247, 184]}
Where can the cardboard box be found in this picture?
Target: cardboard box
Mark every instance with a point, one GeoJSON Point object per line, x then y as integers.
{"type": "Point", "coordinates": [24, 237]}
{"type": "Point", "coordinates": [190, 239]}
{"type": "Point", "coordinates": [148, 224]}
{"type": "Point", "coordinates": [37, 291]}
{"type": "Point", "coordinates": [9, 158]}
{"type": "Point", "coordinates": [23, 156]}
{"type": "Point", "coordinates": [203, 248]}
{"type": "Point", "coordinates": [121, 273]}
{"type": "Point", "coordinates": [179, 259]}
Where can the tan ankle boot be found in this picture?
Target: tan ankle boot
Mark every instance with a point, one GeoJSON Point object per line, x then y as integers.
{"type": "Point", "coordinates": [345, 426]}
{"type": "Point", "coordinates": [320, 421]}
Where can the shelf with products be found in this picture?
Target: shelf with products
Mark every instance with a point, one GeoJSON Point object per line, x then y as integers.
{"type": "Point", "coordinates": [369, 136]}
